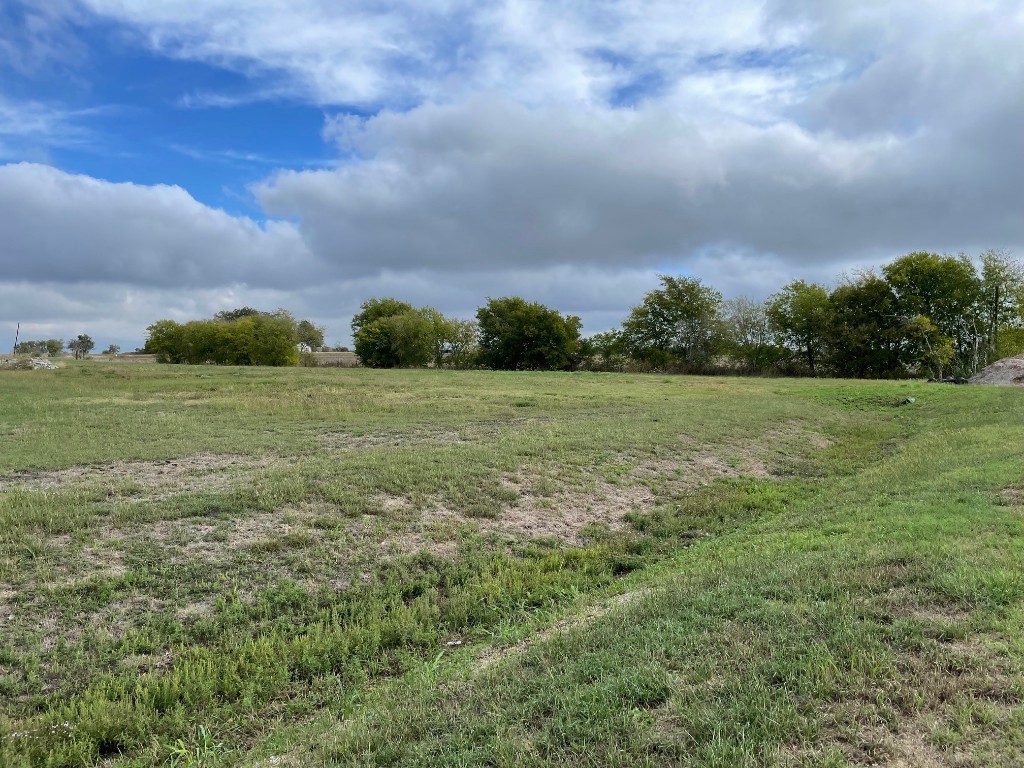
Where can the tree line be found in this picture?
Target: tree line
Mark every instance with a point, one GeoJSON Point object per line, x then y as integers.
{"type": "Point", "coordinates": [921, 314]}
{"type": "Point", "coordinates": [80, 346]}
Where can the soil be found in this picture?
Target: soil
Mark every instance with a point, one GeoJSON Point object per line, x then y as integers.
{"type": "Point", "coordinates": [1008, 372]}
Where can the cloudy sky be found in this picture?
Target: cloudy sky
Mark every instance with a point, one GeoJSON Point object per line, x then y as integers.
{"type": "Point", "coordinates": [172, 158]}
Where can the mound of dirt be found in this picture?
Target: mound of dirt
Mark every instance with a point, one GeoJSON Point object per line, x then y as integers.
{"type": "Point", "coordinates": [1008, 372]}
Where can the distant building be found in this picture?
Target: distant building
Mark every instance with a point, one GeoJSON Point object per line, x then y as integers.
{"type": "Point", "coordinates": [304, 347]}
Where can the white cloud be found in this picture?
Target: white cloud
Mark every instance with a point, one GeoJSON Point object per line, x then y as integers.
{"type": "Point", "coordinates": [490, 184]}
{"type": "Point", "coordinates": [566, 151]}
{"type": "Point", "coordinates": [410, 51]}
{"type": "Point", "coordinates": [67, 228]}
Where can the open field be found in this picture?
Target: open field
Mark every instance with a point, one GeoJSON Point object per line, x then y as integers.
{"type": "Point", "coordinates": [287, 567]}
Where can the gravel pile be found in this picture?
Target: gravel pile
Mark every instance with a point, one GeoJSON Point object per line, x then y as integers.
{"type": "Point", "coordinates": [28, 364]}
{"type": "Point", "coordinates": [1008, 372]}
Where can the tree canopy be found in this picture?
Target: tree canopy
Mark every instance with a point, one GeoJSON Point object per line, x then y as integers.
{"type": "Point", "coordinates": [518, 335]}
{"type": "Point", "coordinates": [230, 338]}
{"type": "Point", "coordinates": [389, 333]}
{"type": "Point", "coordinates": [676, 326]}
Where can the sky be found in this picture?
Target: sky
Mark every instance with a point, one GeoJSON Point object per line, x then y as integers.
{"type": "Point", "coordinates": [174, 158]}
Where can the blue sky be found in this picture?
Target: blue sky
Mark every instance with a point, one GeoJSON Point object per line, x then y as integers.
{"type": "Point", "coordinates": [134, 119]}
{"type": "Point", "coordinates": [171, 158]}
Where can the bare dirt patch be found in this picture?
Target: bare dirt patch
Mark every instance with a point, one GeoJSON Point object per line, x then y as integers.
{"type": "Point", "coordinates": [1012, 497]}
{"type": "Point", "coordinates": [566, 512]}
{"type": "Point", "coordinates": [201, 472]}
{"type": "Point", "coordinates": [911, 750]}
{"type": "Point", "coordinates": [220, 541]}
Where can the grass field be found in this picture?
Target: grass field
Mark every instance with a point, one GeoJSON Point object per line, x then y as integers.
{"type": "Point", "coordinates": [217, 567]}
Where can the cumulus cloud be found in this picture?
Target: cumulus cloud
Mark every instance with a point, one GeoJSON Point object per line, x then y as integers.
{"type": "Point", "coordinates": [489, 183]}
{"type": "Point", "coordinates": [564, 151]}
{"type": "Point", "coordinates": [70, 228]}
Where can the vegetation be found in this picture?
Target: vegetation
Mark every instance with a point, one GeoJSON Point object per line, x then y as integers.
{"type": "Point", "coordinates": [240, 566]}
{"type": "Point", "coordinates": [50, 347]}
{"type": "Point", "coordinates": [677, 325]}
{"type": "Point", "coordinates": [81, 345]}
{"type": "Point", "coordinates": [518, 335]}
{"type": "Point", "coordinates": [393, 334]}
{"type": "Point", "coordinates": [924, 315]}
{"type": "Point", "coordinates": [311, 335]}
{"type": "Point", "coordinates": [238, 337]}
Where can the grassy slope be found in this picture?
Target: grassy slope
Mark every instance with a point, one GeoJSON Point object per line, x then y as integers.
{"type": "Point", "coordinates": [862, 605]}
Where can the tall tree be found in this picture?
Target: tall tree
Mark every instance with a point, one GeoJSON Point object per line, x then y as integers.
{"type": "Point", "coordinates": [867, 333]}
{"type": "Point", "coordinates": [799, 314]}
{"type": "Point", "coordinates": [677, 325]}
{"type": "Point", "coordinates": [1002, 305]}
{"type": "Point", "coordinates": [947, 291]}
{"type": "Point", "coordinates": [518, 335]}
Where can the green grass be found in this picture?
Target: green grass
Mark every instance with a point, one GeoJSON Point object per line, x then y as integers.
{"type": "Point", "coordinates": [217, 567]}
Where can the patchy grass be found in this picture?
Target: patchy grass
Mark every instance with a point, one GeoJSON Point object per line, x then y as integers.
{"type": "Point", "coordinates": [349, 567]}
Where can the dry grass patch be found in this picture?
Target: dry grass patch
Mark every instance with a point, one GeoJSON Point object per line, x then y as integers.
{"type": "Point", "coordinates": [563, 512]}
{"type": "Point", "coordinates": [1012, 497]}
{"type": "Point", "coordinates": [202, 472]}
{"type": "Point", "coordinates": [345, 441]}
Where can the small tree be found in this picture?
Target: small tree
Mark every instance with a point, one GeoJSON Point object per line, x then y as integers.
{"type": "Point", "coordinates": [460, 343]}
{"type": "Point", "coordinates": [81, 346]}
{"type": "Point", "coordinates": [166, 340]}
{"type": "Point", "coordinates": [312, 335]}
{"type": "Point", "coordinates": [113, 349]}
{"type": "Point", "coordinates": [373, 335]}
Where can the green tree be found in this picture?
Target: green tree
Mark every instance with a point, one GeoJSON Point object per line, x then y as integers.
{"type": "Point", "coordinates": [460, 343]}
{"type": "Point", "coordinates": [393, 334]}
{"type": "Point", "coordinates": [1002, 306]}
{"type": "Point", "coordinates": [867, 334]}
{"type": "Point", "coordinates": [166, 340]}
{"type": "Point", "coordinates": [518, 335]}
{"type": "Point", "coordinates": [374, 336]}
{"type": "Point", "coordinates": [604, 351]}
{"type": "Point", "coordinates": [81, 345]}
{"type": "Point", "coordinates": [310, 334]}
{"type": "Point", "coordinates": [50, 347]}
{"type": "Point", "coordinates": [947, 291]}
{"type": "Point", "coordinates": [235, 314]}
{"type": "Point", "coordinates": [799, 315]}
{"type": "Point", "coordinates": [264, 338]}
{"type": "Point", "coordinates": [676, 326]}
{"type": "Point", "coordinates": [113, 349]}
